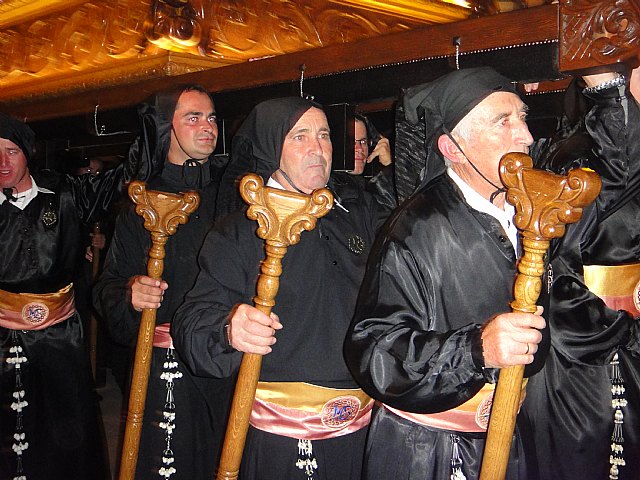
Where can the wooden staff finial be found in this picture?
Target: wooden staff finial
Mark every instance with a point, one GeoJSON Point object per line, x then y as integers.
{"type": "Point", "coordinates": [162, 213]}
{"type": "Point", "coordinates": [545, 203]}
{"type": "Point", "coordinates": [281, 217]}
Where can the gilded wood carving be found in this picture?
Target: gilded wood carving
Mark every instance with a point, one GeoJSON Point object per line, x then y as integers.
{"type": "Point", "coordinates": [118, 41]}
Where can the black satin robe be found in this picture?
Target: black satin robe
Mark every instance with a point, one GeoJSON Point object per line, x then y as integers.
{"type": "Point", "coordinates": [568, 404]}
{"type": "Point", "coordinates": [61, 420]}
{"type": "Point", "coordinates": [317, 293]}
{"type": "Point", "coordinates": [439, 270]}
{"type": "Point", "coordinates": [201, 403]}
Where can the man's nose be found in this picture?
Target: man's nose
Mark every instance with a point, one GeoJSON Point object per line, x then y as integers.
{"type": "Point", "coordinates": [315, 146]}
{"type": "Point", "coordinates": [522, 134]}
{"type": "Point", "coordinates": [207, 125]}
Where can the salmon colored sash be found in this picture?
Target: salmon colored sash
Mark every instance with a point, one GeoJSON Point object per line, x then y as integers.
{"type": "Point", "coordinates": [36, 311]}
{"type": "Point", "coordinates": [162, 337]}
{"type": "Point", "coordinates": [618, 286]}
{"type": "Point", "coordinates": [309, 412]}
{"type": "Point", "coordinates": [471, 416]}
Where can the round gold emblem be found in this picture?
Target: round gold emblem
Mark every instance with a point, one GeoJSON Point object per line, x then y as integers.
{"type": "Point", "coordinates": [340, 412]}
{"type": "Point", "coordinates": [35, 312]}
{"type": "Point", "coordinates": [636, 296]}
{"type": "Point", "coordinates": [483, 411]}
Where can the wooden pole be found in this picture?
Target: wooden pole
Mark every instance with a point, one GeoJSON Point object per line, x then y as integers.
{"type": "Point", "coordinates": [545, 203]}
{"type": "Point", "coordinates": [162, 212]}
{"type": "Point", "coordinates": [281, 217]}
{"type": "Point", "coordinates": [93, 322]}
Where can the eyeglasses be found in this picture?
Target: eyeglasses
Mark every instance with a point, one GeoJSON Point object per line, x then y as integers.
{"type": "Point", "coordinates": [363, 142]}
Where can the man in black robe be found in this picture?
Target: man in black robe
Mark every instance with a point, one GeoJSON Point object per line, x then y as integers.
{"type": "Point", "coordinates": [184, 415]}
{"type": "Point", "coordinates": [370, 145]}
{"type": "Point", "coordinates": [583, 407]}
{"type": "Point", "coordinates": [309, 417]}
{"type": "Point", "coordinates": [49, 426]}
{"type": "Point", "coordinates": [430, 332]}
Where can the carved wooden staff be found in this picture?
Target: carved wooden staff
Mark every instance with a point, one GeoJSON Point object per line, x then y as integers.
{"type": "Point", "coordinates": [162, 212]}
{"type": "Point", "coordinates": [545, 203]}
{"type": "Point", "coordinates": [93, 321]}
{"type": "Point", "coordinates": [281, 217]}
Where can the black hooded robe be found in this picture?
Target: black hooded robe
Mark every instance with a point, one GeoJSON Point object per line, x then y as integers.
{"type": "Point", "coordinates": [316, 296]}
{"type": "Point", "coordinates": [439, 270]}
{"type": "Point", "coordinates": [60, 421]}
{"type": "Point", "coordinates": [200, 404]}
{"type": "Point", "coordinates": [569, 402]}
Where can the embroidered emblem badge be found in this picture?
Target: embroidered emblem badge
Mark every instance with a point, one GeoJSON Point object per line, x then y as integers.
{"type": "Point", "coordinates": [483, 411]}
{"type": "Point", "coordinates": [49, 218]}
{"type": "Point", "coordinates": [35, 312]}
{"type": "Point", "coordinates": [356, 244]}
{"type": "Point", "coordinates": [636, 296]}
{"type": "Point", "coordinates": [340, 412]}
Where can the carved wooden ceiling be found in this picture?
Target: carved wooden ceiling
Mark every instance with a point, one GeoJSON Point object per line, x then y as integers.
{"type": "Point", "coordinates": [58, 48]}
{"type": "Point", "coordinates": [75, 70]}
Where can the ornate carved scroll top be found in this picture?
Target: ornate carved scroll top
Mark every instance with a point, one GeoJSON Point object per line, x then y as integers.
{"type": "Point", "coordinates": [546, 202]}
{"type": "Point", "coordinates": [162, 212]}
{"type": "Point", "coordinates": [283, 215]}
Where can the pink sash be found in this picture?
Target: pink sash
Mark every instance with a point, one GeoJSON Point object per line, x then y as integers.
{"type": "Point", "coordinates": [309, 412]}
{"type": "Point", "coordinates": [36, 311]}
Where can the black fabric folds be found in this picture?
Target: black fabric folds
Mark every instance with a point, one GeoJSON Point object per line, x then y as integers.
{"type": "Point", "coordinates": [427, 110]}
{"type": "Point", "coordinates": [148, 152]}
{"type": "Point", "coordinates": [19, 133]}
{"type": "Point", "coordinates": [257, 145]}
{"type": "Point", "coordinates": [568, 409]}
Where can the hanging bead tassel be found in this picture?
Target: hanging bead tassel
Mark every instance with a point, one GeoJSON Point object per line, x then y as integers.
{"type": "Point", "coordinates": [169, 373]}
{"type": "Point", "coordinates": [20, 444]}
{"type": "Point", "coordinates": [456, 460]}
{"type": "Point", "coordinates": [306, 460]}
{"type": "Point", "coordinates": [618, 402]}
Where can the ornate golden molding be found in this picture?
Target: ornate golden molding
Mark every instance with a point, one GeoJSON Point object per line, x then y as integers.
{"type": "Point", "coordinates": [75, 46]}
{"type": "Point", "coordinates": [16, 11]}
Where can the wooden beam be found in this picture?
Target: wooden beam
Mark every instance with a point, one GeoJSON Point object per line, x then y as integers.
{"type": "Point", "coordinates": [523, 27]}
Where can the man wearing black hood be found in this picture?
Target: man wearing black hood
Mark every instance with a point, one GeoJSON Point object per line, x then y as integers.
{"type": "Point", "coordinates": [309, 418]}
{"type": "Point", "coordinates": [582, 411]}
{"type": "Point", "coordinates": [430, 331]}
{"type": "Point", "coordinates": [184, 415]}
{"type": "Point", "coordinates": [49, 425]}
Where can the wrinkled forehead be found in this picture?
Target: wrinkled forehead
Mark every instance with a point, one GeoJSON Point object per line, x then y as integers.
{"type": "Point", "coordinates": [495, 105]}
{"type": "Point", "coordinates": [312, 118]}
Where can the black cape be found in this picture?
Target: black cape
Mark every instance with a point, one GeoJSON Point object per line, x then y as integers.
{"type": "Point", "coordinates": [61, 420]}
{"type": "Point", "coordinates": [568, 405]}
{"type": "Point", "coordinates": [201, 404]}
{"type": "Point", "coordinates": [318, 288]}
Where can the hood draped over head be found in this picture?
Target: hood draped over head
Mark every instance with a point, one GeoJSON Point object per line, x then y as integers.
{"type": "Point", "coordinates": [257, 145]}
{"type": "Point", "coordinates": [258, 142]}
{"type": "Point", "coordinates": [148, 153]}
{"type": "Point", "coordinates": [19, 133]}
{"type": "Point", "coordinates": [431, 109]}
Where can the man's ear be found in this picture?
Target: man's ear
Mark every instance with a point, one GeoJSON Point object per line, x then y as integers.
{"type": "Point", "coordinates": [450, 150]}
